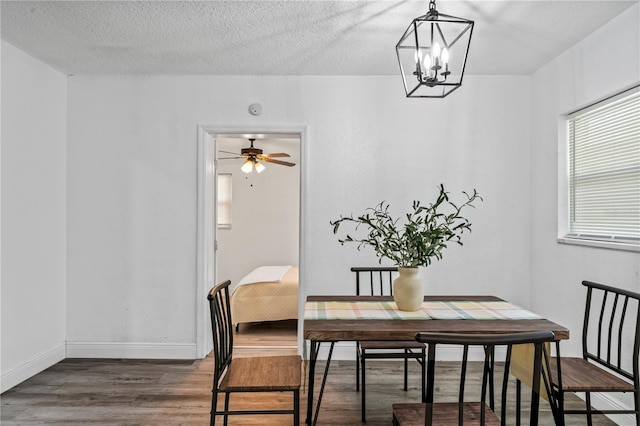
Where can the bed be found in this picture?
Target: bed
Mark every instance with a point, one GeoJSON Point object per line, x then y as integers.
{"type": "Point", "coordinates": [268, 293]}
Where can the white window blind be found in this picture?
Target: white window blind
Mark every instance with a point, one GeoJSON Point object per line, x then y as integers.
{"type": "Point", "coordinates": [604, 170]}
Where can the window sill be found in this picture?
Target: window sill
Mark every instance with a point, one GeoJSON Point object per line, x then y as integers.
{"type": "Point", "coordinates": [625, 246]}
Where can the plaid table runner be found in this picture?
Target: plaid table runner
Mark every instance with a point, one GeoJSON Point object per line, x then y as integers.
{"type": "Point", "coordinates": [429, 310]}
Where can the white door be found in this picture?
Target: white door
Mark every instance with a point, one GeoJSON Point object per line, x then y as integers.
{"type": "Point", "coordinates": [206, 239]}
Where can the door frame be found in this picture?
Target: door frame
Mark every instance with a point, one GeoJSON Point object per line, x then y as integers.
{"type": "Point", "coordinates": [206, 229]}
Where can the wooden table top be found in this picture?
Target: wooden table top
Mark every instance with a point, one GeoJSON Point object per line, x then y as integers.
{"type": "Point", "coordinates": [394, 329]}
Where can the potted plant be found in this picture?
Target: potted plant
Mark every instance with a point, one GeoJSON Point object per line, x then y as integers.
{"type": "Point", "coordinates": [415, 242]}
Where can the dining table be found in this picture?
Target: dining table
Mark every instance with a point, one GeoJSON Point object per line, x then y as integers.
{"type": "Point", "coordinates": [330, 319]}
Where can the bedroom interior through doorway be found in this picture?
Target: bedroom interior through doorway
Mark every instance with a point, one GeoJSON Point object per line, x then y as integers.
{"type": "Point", "coordinates": [266, 210]}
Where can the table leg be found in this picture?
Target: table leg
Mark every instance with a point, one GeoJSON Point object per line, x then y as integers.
{"type": "Point", "coordinates": [556, 398]}
{"type": "Point", "coordinates": [492, 363]}
{"type": "Point", "coordinates": [315, 349]}
{"type": "Point", "coordinates": [521, 360]}
{"type": "Point", "coordinates": [313, 356]}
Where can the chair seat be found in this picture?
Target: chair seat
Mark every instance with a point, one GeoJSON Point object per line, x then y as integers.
{"type": "Point", "coordinates": [391, 344]}
{"type": "Point", "coordinates": [444, 414]}
{"type": "Point", "coordinates": [275, 373]}
{"type": "Point", "coordinates": [579, 375]}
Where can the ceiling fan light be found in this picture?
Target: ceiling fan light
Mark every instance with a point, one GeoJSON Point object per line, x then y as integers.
{"type": "Point", "coordinates": [259, 167]}
{"type": "Point", "coordinates": [247, 166]}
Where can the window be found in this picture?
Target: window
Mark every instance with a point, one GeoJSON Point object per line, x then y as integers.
{"type": "Point", "coordinates": [224, 201]}
{"type": "Point", "coordinates": [604, 171]}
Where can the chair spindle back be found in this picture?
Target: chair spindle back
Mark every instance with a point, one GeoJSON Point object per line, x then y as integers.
{"type": "Point", "coordinates": [608, 340]}
{"type": "Point", "coordinates": [489, 344]}
{"type": "Point", "coordinates": [374, 281]}
{"type": "Point", "coordinates": [222, 327]}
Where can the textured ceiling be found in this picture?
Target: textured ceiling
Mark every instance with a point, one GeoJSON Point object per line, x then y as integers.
{"type": "Point", "coordinates": [323, 37]}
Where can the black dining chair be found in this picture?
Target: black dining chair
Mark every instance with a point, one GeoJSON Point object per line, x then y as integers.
{"type": "Point", "coordinates": [461, 409]}
{"type": "Point", "coordinates": [255, 374]}
{"type": "Point", "coordinates": [610, 348]}
{"type": "Point", "coordinates": [378, 281]}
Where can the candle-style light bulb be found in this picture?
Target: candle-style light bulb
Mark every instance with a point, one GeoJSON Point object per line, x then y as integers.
{"type": "Point", "coordinates": [427, 65]}
{"type": "Point", "coordinates": [445, 56]}
{"type": "Point", "coordinates": [436, 50]}
{"type": "Point", "coordinates": [436, 56]}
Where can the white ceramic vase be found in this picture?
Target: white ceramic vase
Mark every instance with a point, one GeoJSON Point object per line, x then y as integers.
{"type": "Point", "coordinates": [408, 291]}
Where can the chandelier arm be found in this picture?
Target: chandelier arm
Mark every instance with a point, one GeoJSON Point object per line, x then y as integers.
{"type": "Point", "coordinates": [414, 89]}
{"type": "Point", "coordinates": [419, 59]}
{"type": "Point", "coordinates": [443, 17]}
{"type": "Point", "coordinates": [466, 54]}
{"type": "Point", "coordinates": [467, 28]}
{"type": "Point", "coordinates": [405, 35]}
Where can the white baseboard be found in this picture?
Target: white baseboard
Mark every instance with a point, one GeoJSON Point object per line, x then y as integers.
{"type": "Point", "coordinates": [608, 402]}
{"type": "Point", "coordinates": [131, 350]}
{"type": "Point", "coordinates": [341, 351]}
{"type": "Point", "coordinates": [31, 368]}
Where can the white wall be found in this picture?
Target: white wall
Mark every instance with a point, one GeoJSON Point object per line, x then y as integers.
{"type": "Point", "coordinates": [132, 187]}
{"type": "Point", "coordinates": [34, 99]}
{"type": "Point", "coordinates": [601, 65]}
{"type": "Point", "coordinates": [571, 81]}
{"type": "Point", "coordinates": [265, 229]}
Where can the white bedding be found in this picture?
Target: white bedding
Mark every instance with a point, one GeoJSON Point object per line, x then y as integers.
{"type": "Point", "coordinates": [267, 274]}
{"type": "Point", "coordinates": [266, 300]}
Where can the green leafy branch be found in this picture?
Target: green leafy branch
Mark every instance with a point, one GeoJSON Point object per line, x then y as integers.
{"type": "Point", "coordinates": [421, 238]}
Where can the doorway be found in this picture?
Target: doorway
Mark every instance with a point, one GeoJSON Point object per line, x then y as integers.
{"type": "Point", "coordinates": [259, 222]}
{"type": "Point", "coordinates": [264, 206]}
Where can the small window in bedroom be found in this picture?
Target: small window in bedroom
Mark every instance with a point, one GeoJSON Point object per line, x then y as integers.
{"type": "Point", "coordinates": [604, 171]}
{"type": "Point", "coordinates": [224, 201]}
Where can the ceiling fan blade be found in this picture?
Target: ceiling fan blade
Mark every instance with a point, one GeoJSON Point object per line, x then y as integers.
{"type": "Point", "coordinates": [227, 152]}
{"type": "Point", "coordinates": [276, 154]}
{"type": "Point", "coordinates": [282, 163]}
{"type": "Point", "coordinates": [229, 158]}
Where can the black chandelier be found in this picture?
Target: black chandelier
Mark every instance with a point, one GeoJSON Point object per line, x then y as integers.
{"type": "Point", "coordinates": [432, 54]}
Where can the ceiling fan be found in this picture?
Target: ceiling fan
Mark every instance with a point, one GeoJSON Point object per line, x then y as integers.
{"type": "Point", "coordinates": [253, 156]}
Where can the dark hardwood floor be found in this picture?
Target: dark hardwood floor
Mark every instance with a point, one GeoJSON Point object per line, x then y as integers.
{"type": "Point", "coordinates": [142, 392]}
